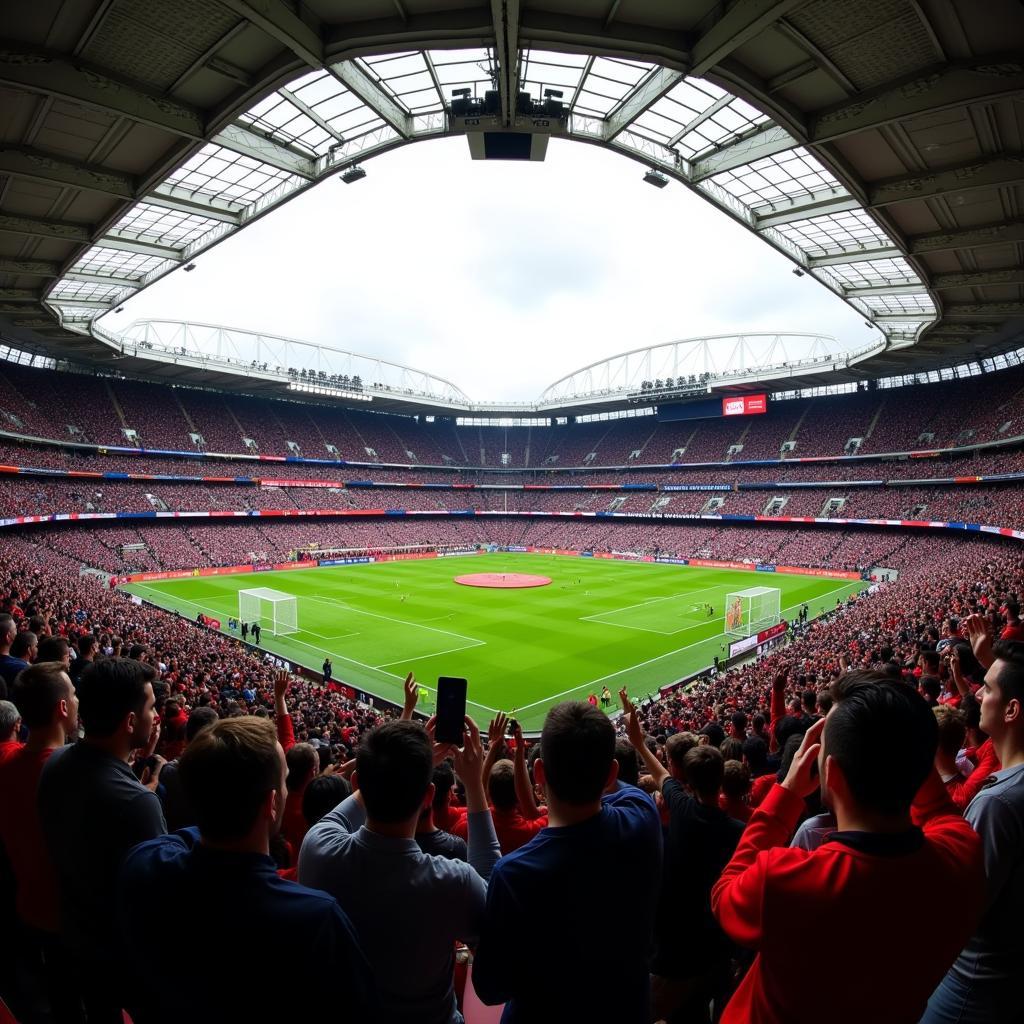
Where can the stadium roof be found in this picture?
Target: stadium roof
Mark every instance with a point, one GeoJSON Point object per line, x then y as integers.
{"type": "Point", "coordinates": [879, 145]}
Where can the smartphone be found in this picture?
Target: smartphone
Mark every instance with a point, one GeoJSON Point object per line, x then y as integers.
{"type": "Point", "coordinates": [451, 710]}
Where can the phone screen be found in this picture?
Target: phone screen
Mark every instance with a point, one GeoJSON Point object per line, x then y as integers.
{"type": "Point", "coordinates": [451, 709]}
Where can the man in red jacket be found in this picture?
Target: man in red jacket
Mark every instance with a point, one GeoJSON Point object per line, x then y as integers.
{"type": "Point", "coordinates": [866, 898]}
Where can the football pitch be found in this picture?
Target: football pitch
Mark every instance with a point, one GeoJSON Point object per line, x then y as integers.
{"type": "Point", "coordinates": [600, 622]}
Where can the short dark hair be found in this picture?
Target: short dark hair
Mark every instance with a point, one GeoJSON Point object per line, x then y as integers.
{"type": "Point", "coordinates": [444, 781]}
{"type": "Point", "coordinates": [876, 713]}
{"type": "Point", "coordinates": [577, 747]}
{"type": "Point", "coordinates": [930, 686]}
{"type": "Point", "coordinates": [22, 643]}
{"type": "Point", "coordinates": [38, 690]}
{"type": "Point", "coordinates": [395, 763]}
{"type": "Point", "coordinates": [732, 749]}
{"type": "Point", "coordinates": [109, 690]}
{"type": "Point", "coordinates": [629, 762]}
{"type": "Point", "coordinates": [755, 750]}
{"type": "Point", "coordinates": [1011, 676]}
{"type": "Point", "coordinates": [735, 779]}
{"type": "Point", "coordinates": [86, 643]}
{"type": "Point", "coordinates": [227, 772]}
{"type": "Point", "coordinates": [739, 721]}
{"type": "Point", "coordinates": [704, 767]}
{"type": "Point", "coordinates": [302, 759]}
{"type": "Point", "coordinates": [501, 786]}
{"type": "Point", "coordinates": [322, 795]}
{"type": "Point", "coordinates": [52, 648]}
{"type": "Point", "coordinates": [677, 746]}
{"type": "Point", "coordinates": [201, 718]}
{"type": "Point", "coordinates": [808, 699]}
{"type": "Point", "coordinates": [952, 728]}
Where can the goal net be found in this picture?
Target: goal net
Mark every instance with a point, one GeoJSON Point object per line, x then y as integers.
{"type": "Point", "coordinates": [747, 612]}
{"type": "Point", "coordinates": [274, 610]}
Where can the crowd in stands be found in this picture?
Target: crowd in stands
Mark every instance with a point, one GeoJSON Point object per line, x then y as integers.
{"type": "Point", "coordinates": [830, 832]}
{"type": "Point", "coordinates": [102, 410]}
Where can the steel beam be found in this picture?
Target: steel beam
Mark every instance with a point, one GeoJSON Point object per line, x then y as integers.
{"type": "Point", "coordinates": [1007, 169]}
{"type": "Point", "coordinates": [924, 92]}
{"type": "Point", "coordinates": [113, 240]}
{"type": "Point", "coordinates": [704, 115]}
{"type": "Point", "coordinates": [19, 295]}
{"type": "Point", "coordinates": [306, 109]}
{"type": "Point", "coordinates": [818, 204]}
{"type": "Point", "coordinates": [959, 330]}
{"type": "Point", "coordinates": [64, 300]}
{"type": "Point", "coordinates": [240, 138]}
{"type": "Point", "coordinates": [279, 21]}
{"type": "Point", "coordinates": [979, 278]}
{"type": "Point", "coordinates": [121, 282]}
{"type": "Point", "coordinates": [984, 310]}
{"type": "Point", "coordinates": [767, 140]}
{"type": "Point", "coordinates": [740, 23]}
{"type": "Point", "coordinates": [29, 268]}
{"type": "Point", "coordinates": [878, 252]}
{"type": "Point", "coordinates": [52, 74]}
{"type": "Point", "coordinates": [644, 94]}
{"type": "Point", "coordinates": [35, 165]}
{"type": "Point", "coordinates": [978, 237]}
{"type": "Point", "coordinates": [374, 96]}
{"type": "Point", "coordinates": [884, 289]}
{"type": "Point", "coordinates": [505, 18]}
{"type": "Point", "coordinates": [174, 197]}
{"type": "Point", "coordinates": [44, 227]}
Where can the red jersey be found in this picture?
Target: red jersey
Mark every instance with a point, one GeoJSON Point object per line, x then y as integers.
{"type": "Point", "coordinates": [8, 749]}
{"type": "Point", "coordinates": [511, 828]}
{"type": "Point", "coordinates": [22, 837]}
{"type": "Point", "coordinates": [873, 899]}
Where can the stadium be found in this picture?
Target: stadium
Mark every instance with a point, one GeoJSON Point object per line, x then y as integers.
{"type": "Point", "coordinates": [748, 529]}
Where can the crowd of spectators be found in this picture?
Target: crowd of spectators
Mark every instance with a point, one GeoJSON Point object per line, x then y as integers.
{"type": "Point", "coordinates": [102, 410]}
{"type": "Point", "coordinates": [857, 793]}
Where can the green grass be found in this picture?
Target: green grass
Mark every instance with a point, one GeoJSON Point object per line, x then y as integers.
{"type": "Point", "coordinates": [600, 621]}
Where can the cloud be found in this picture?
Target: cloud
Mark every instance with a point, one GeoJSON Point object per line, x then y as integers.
{"type": "Point", "coordinates": [500, 277]}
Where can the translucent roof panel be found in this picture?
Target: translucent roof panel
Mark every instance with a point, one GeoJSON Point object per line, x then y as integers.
{"type": "Point", "coordinates": [789, 175]}
{"type": "Point", "coordinates": [115, 263]}
{"type": "Point", "coordinates": [68, 291]}
{"type": "Point", "coordinates": [457, 69]}
{"type": "Point", "coordinates": [874, 273]}
{"type": "Point", "coordinates": [835, 233]}
{"type": "Point", "coordinates": [900, 304]}
{"type": "Point", "coordinates": [224, 174]}
{"type": "Point", "coordinates": [166, 227]}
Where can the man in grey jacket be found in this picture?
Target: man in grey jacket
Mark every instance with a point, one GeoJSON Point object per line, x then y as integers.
{"type": "Point", "coordinates": [408, 908]}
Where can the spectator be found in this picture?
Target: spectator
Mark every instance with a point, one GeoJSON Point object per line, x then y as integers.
{"type": "Point", "coordinates": [408, 908]}
{"type": "Point", "coordinates": [431, 839]}
{"type": "Point", "coordinates": [735, 791]}
{"type": "Point", "coordinates": [983, 983]}
{"type": "Point", "coordinates": [322, 795]}
{"type": "Point", "coordinates": [691, 959]}
{"type": "Point", "coordinates": [54, 648]}
{"type": "Point", "coordinates": [221, 874]}
{"type": "Point", "coordinates": [49, 709]}
{"type": "Point", "coordinates": [9, 668]}
{"type": "Point", "coordinates": [1014, 628]}
{"type": "Point", "coordinates": [86, 655]}
{"type": "Point", "coordinates": [178, 812]}
{"type": "Point", "coordinates": [10, 726]}
{"type": "Point", "coordinates": [780, 900]}
{"type": "Point", "coordinates": [511, 827]}
{"type": "Point", "coordinates": [93, 811]}
{"type": "Point", "coordinates": [303, 766]}
{"type": "Point", "coordinates": [556, 878]}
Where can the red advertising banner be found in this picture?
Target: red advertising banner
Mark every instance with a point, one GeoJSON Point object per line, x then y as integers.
{"type": "Point", "coordinates": [795, 570]}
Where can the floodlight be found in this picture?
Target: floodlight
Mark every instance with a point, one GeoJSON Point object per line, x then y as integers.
{"type": "Point", "coordinates": [556, 94]}
{"type": "Point", "coordinates": [190, 267]}
{"type": "Point", "coordinates": [653, 177]}
{"type": "Point", "coordinates": [462, 93]}
{"type": "Point", "coordinates": [797, 272]}
{"type": "Point", "coordinates": [353, 174]}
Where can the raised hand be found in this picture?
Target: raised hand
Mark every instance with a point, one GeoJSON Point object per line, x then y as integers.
{"type": "Point", "coordinates": [412, 694]}
{"type": "Point", "coordinates": [282, 680]}
{"type": "Point", "coordinates": [441, 750]}
{"type": "Point", "coordinates": [634, 730]}
{"type": "Point", "coordinates": [469, 759]}
{"type": "Point", "coordinates": [496, 730]}
{"type": "Point", "coordinates": [802, 778]}
{"type": "Point", "coordinates": [981, 643]}
{"type": "Point", "coordinates": [151, 777]}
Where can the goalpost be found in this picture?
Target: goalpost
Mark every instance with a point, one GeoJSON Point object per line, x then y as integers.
{"type": "Point", "coordinates": [747, 612]}
{"type": "Point", "coordinates": [274, 610]}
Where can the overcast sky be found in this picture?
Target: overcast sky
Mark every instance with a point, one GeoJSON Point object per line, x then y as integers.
{"type": "Point", "coordinates": [501, 277]}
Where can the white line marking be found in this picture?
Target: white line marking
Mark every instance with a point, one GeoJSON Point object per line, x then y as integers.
{"type": "Point", "coordinates": [388, 618]}
{"type": "Point", "coordinates": [651, 600]}
{"type": "Point", "coordinates": [436, 654]}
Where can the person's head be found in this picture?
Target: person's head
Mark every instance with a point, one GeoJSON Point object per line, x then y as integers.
{"type": "Point", "coordinates": [25, 646]}
{"type": "Point", "coordinates": [233, 775]}
{"type": "Point", "coordinates": [629, 763]}
{"type": "Point", "coordinates": [808, 701]}
{"type": "Point", "coordinates": [10, 720]}
{"type": "Point", "coordinates": [874, 713]}
{"type": "Point", "coordinates": [739, 723]}
{"type": "Point", "coordinates": [929, 662]}
{"type": "Point", "coordinates": [677, 747]}
{"type": "Point", "coordinates": [138, 652]}
{"type": "Point", "coordinates": [87, 646]}
{"type": "Point", "coordinates": [303, 764]}
{"type": "Point", "coordinates": [322, 795]}
{"type": "Point", "coordinates": [823, 703]}
{"type": "Point", "coordinates": [1002, 696]}
{"type": "Point", "coordinates": [732, 749]}
{"type": "Point", "coordinates": [394, 769]}
{"type": "Point", "coordinates": [952, 725]}
{"type": "Point", "coordinates": [501, 786]}
{"type": "Point", "coordinates": [1012, 610]}
{"type": "Point", "coordinates": [54, 648]}
{"type": "Point", "coordinates": [577, 761]}
{"type": "Point", "coordinates": [45, 697]}
{"type": "Point", "coordinates": [8, 628]}
{"type": "Point", "coordinates": [930, 687]}
{"type": "Point", "coordinates": [755, 754]}
{"type": "Point", "coordinates": [200, 719]}
{"type": "Point", "coordinates": [735, 780]}
{"type": "Point", "coordinates": [444, 783]}
{"type": "Point", "coordinates": [116, 700]}
{"type": "Point", "coordinates": [704, 767]}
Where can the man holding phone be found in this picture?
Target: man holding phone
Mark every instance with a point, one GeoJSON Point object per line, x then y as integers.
{"type": "Point", "coordinates": [408, 908]}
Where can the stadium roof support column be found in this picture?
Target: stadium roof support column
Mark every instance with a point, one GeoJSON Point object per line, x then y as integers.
{"type": "Point", "coordinates": [505, 15]}
{"type": "Point", "coordinates": [241, 139]}
{"type": "Point", "coordinates": [52, 169]}
{"type": "Point", "coordinates": [968, 238]}
{"type": "Point", "coordinates": [44, 227]}
{"type": "Point", "coordinates": [997, 170]}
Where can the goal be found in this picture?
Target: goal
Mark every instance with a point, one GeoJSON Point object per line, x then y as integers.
{"type": "Point", "coordinates": [747, 612]}
{"type": "Point", "coordinates": [274, 610]}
